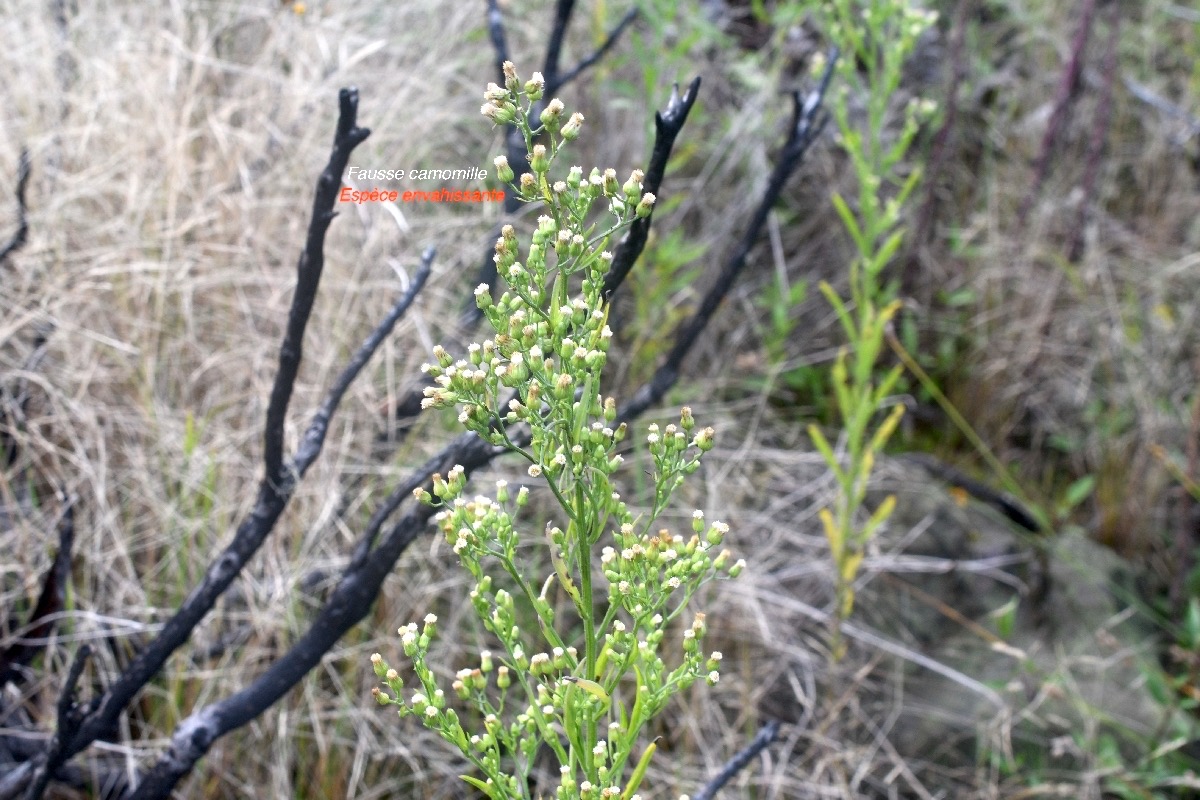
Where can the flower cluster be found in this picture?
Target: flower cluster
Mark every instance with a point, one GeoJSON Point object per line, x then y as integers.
{"type": "Point", "coordinates": [585, 687]}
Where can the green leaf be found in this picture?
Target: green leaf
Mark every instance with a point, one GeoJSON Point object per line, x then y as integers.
{"type": "Point", "coordinates": [594, 689]}
{"type": "Point", "coordinates": [851, 224]}
{"type": "Point", "coordinates": [886, 429]}
{"type": "Point", "coordinates": [640, 770]}
{"type": "Point", "coordinates": [635, 716]}
{"type": "Point", "coordinates": [191, 436]}
{"type": "Point", "coordinates": [1191, 625]}
{"type": "Point", "coordinates": [1005, 616]}
{"type": "Point", "coordinates": [840, 307]}
{"type": "Point", "coordinates": [833, 534]}
{"type": "Point", "coordinates": [581, 413]}
{"type": "Point", "coordinates": [490, 791]}
{"type": "Point", "coordinates": [1156, 684]}
{"type": "Point", "coordinates": [879, 517]}
{"type": "Point", "coordinates": [958, 298]}
{"type": "Point", "coordinates": [822, 444]}
{"type": "Point", "coordinates": [571, 725]}
{"type": "Point", "coordinates": [889, 248]}
{"type": "Point", "coordinates": [797, 292]}
{"type": "Point", "coordinates": [1077, 492]}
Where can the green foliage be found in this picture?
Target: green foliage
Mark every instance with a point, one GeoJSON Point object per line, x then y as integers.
{"type": "Point", "coordinates": [876, 37]}
{"type": "Point", "coordinates": [534, 390]}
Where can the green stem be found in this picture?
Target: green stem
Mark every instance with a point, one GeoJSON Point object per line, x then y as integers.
{"type": "Point", "coordinates": [584, 544]}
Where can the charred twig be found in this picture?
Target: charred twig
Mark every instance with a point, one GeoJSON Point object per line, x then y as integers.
{"type": "Point", "coordinates": [49, 604]}
{"type": "Point", "coordinates": [98, 781]}
{"type": "Point", "coordinates": [551, 67]}
{"type": "Point", "coordinates": [278, 482]}
{"type": "Point", "coordinates": [767, 734]}
{"type": "Point", "coordinates": [807, 124]}
{"type": "Point", "coordinates": [558, 34]}
{"type": "Point", "coordinates": [68, 718]}
{"type": "Point", "coordinates": [349, 603]}
{"type": "Point", "coordinates": [1011, 509]}
{"type": "Point", "coordinates": [308, 278]}
{"type": "Point", "coordinates": [314, 437]}
{"type": "Point", "coordinates": [667, 125]}
{"type": "Point", "coordinates": [597, 54]}
{"type": "Point", "coordinates": [18, 239]}
{"type": "Point", "coordinates": [16, 404]}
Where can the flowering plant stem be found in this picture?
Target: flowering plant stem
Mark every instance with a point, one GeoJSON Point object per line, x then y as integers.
{"type": "Point", "coordinates": [878, 36]}
{"type": "Point", "coordinates": [534, 389]}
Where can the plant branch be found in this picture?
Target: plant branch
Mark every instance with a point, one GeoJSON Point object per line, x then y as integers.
{"type": "Point", "coordinates": [807, 124]}
{"type": "Point", "coordinates": [273, 492]}
{"type": "Point", "coordinates": [667, 125]}
{"type": "Point", "coordinates": [558, 33]}
{"type": "Point", "coordinates": [766, 735]}
{"type": "Point", "coordinates": [349, 603]}
{"type": "Point", "coordinates": [314, 437]}
{"type": "Point", "coordinates": [308, 278]}
{"type": "Point", "coordinates": [599, 53]}
{"type": "Point", "coordinates": [68, 718]}
{"type": "Point", "coordinates": [18, 239]}
{"type": "Point", "coordinates": [49, 604]}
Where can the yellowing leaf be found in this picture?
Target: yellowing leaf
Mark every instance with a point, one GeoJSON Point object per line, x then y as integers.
{"type": "Point", "coordinates": [848, 567]}
{"type": "Point", "coordinates": [832, 533]}
{"type": "Point", "coordinates": [1165, 315]}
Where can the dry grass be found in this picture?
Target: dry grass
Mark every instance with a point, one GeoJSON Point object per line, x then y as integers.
{"type": "Point", "coordinates": [175, 148]}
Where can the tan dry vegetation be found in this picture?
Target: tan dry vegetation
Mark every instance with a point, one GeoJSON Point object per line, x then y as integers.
{"type": "Point", "coordinates": [175, 149]}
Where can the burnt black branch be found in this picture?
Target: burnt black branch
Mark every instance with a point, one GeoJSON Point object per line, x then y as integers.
{"type": "Point", "coordinates": [349, 603]}
{"type": "Point", "coordinates": [667, 125]}
{"type": "Point", "coordinates": [314, 437]}
{"type": "Point", "coordinates": [1009, 507]}
{"type": "Point", "coordinates": [276, 487]}
{"type": "Point", "coordinates": [49, 604]}
{"type": "Point", "coordinates": [766, 735]}
{"type": "Point", "coordinates": [808, 120]}
{"type": "Point", "coordinates": [558, 34]}
{"type": "Point", "coordinates": [22, 234]}
{"type": "Point", "coordinates": [68, 718]}
{"type": "Point", "coordinates": [308, 278]}
{"type": "Point", "coordinates": [555, 81]}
